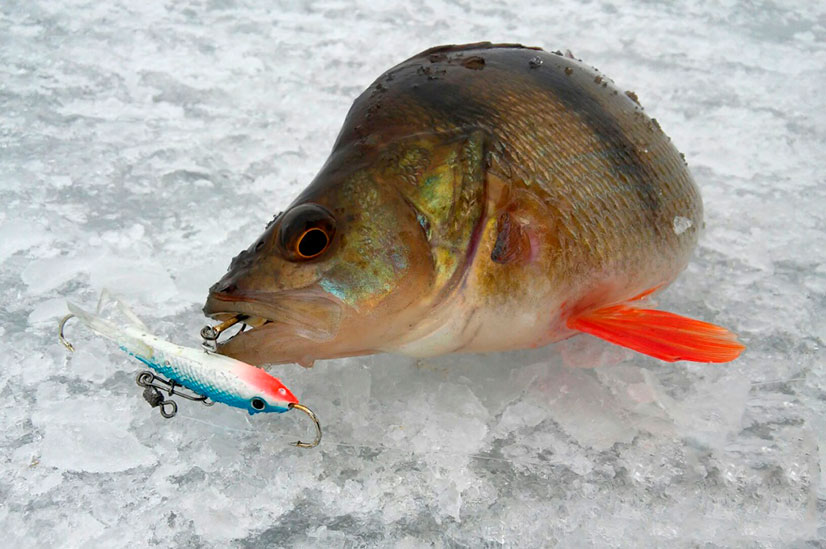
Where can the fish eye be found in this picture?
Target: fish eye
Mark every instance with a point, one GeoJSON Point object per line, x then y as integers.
{"type": "Point", "coordinates": [312, 243]}
{"type": "Point", "coordinates": [306, 232]}
{"type": "Point", "coordinates": [258, 403]}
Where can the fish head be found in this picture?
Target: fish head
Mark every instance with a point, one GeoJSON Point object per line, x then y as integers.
{"type": "Point", "coordinates": [356, 260]}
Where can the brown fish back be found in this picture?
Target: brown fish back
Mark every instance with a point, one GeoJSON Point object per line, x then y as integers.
{"type": "Point", "coordinates": [617, 192]}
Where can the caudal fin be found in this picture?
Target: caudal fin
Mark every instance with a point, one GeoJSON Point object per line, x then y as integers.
{"type": "Point", "coordinates": [107, 297]}
{"type": "Point", "coordinates": [109, 330]}
{"type": "Point", "coordinates": [660, 334]}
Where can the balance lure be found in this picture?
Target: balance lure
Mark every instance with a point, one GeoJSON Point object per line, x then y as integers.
{"type": "Point", "coordinates": [217, 377]}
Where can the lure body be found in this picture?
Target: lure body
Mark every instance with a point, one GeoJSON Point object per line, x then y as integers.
{"type": "Point", "coordinates": [478, 198]}
{"type": "Point", "coordinates": [219, 378]}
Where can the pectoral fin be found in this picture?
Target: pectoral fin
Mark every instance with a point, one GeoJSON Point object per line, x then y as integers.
{"type": "Point", "coordinates": [660, 334]}
{"type": "Point", "coordinates": [512, 243]}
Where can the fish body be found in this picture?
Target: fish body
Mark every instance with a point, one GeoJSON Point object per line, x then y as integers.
{"type": "Point", "coordinates": [478, 198]}
{"type": "Point", "coordinates": [219, 378]}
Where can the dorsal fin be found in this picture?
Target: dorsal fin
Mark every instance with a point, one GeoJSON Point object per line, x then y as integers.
{"type": "Point", "coordinates": [452, 48]}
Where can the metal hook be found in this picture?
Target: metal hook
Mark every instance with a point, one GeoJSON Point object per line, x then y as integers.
{"type": "Point", "coordinates": [211, 333]}
{"type": "Point", "coordinates": [60, 332]}
{"type": "Point", "coordinates": [312, 415]}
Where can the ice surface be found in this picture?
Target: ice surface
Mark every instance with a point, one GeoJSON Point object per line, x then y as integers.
{"type": "Point", "coordinates": [142, 144]}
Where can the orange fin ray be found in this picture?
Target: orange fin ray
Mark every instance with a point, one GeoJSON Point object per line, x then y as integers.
{"type": "Point", "coordinates": [660, 334]}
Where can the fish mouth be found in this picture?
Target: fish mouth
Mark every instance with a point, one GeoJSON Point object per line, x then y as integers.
{"type": "Point", "coordinates": [228, 320]}
{"type": "Point", "coordinates": [274, 324]}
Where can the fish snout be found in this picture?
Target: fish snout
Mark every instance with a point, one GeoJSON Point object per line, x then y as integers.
{"type": "Point", "coordinates": [232, 287]}
{"type": "Point", "coordinates": [220, 300]}
{"type": "Point", "coordinates": [239, 268]}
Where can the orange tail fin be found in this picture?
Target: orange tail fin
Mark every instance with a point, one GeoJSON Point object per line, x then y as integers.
{"type": "Point", "coordinates": [660, 334]}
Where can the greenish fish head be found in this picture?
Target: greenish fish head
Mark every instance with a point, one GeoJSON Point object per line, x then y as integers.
{"type": "Point", "coordinates": [359, 257]}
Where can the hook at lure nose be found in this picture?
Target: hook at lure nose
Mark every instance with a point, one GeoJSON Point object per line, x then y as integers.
{"type": "Point", "coordinates": [312, 415]}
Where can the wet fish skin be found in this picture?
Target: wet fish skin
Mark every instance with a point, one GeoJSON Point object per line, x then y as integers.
{"type": "Point", "coordinates": [483, 196]}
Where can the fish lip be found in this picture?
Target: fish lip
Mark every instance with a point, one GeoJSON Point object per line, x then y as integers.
{"type": "Point", "coordinates": [222, 307]}
{"type": "Point", "coordinates": [284, 312]}
{"type": "Point", "coordinates": [262, 304]}
{"type": "Point", "coordinates": [218, 306]}
{"type": "Point", "coordinates": [242, 337]}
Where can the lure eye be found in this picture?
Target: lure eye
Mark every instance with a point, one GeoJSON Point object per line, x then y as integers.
{"type": "Point", "coordinates": [258, 403]}
{"type": "Point", "coordinates": [306, 232]}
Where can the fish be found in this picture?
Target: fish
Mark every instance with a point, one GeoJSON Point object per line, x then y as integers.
{"type": "Point", "coordinates": [479, 197]}
{"type": "Point", "coordinates": [217, 377]}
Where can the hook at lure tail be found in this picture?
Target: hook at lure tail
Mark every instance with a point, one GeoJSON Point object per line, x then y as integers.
{"type": "Point", "coordinates": [191, 373]}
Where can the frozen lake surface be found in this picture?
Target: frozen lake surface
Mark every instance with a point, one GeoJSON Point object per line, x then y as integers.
{"type": "Point", "coordinates": [142, 144]}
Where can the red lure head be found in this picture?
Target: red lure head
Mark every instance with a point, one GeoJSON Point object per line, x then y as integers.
{"type": "Point", "coordinates": [274, 395]}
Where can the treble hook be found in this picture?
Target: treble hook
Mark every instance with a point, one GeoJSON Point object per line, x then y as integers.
{"type": "Point", "coordinates": [210, 334]}
{"type": "Point", "coordinates": [60, 332]}
{"type": "Point", "coordinates": [312, 415]}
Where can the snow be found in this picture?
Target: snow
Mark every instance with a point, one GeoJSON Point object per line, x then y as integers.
{"type": "Point", "coordinates": [681, 224]}
{"type": "Point", "coordinates": [143, 144]}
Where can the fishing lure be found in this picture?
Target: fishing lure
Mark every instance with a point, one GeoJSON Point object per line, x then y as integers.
{"type": "Point", "coordinates": [211, 377]}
